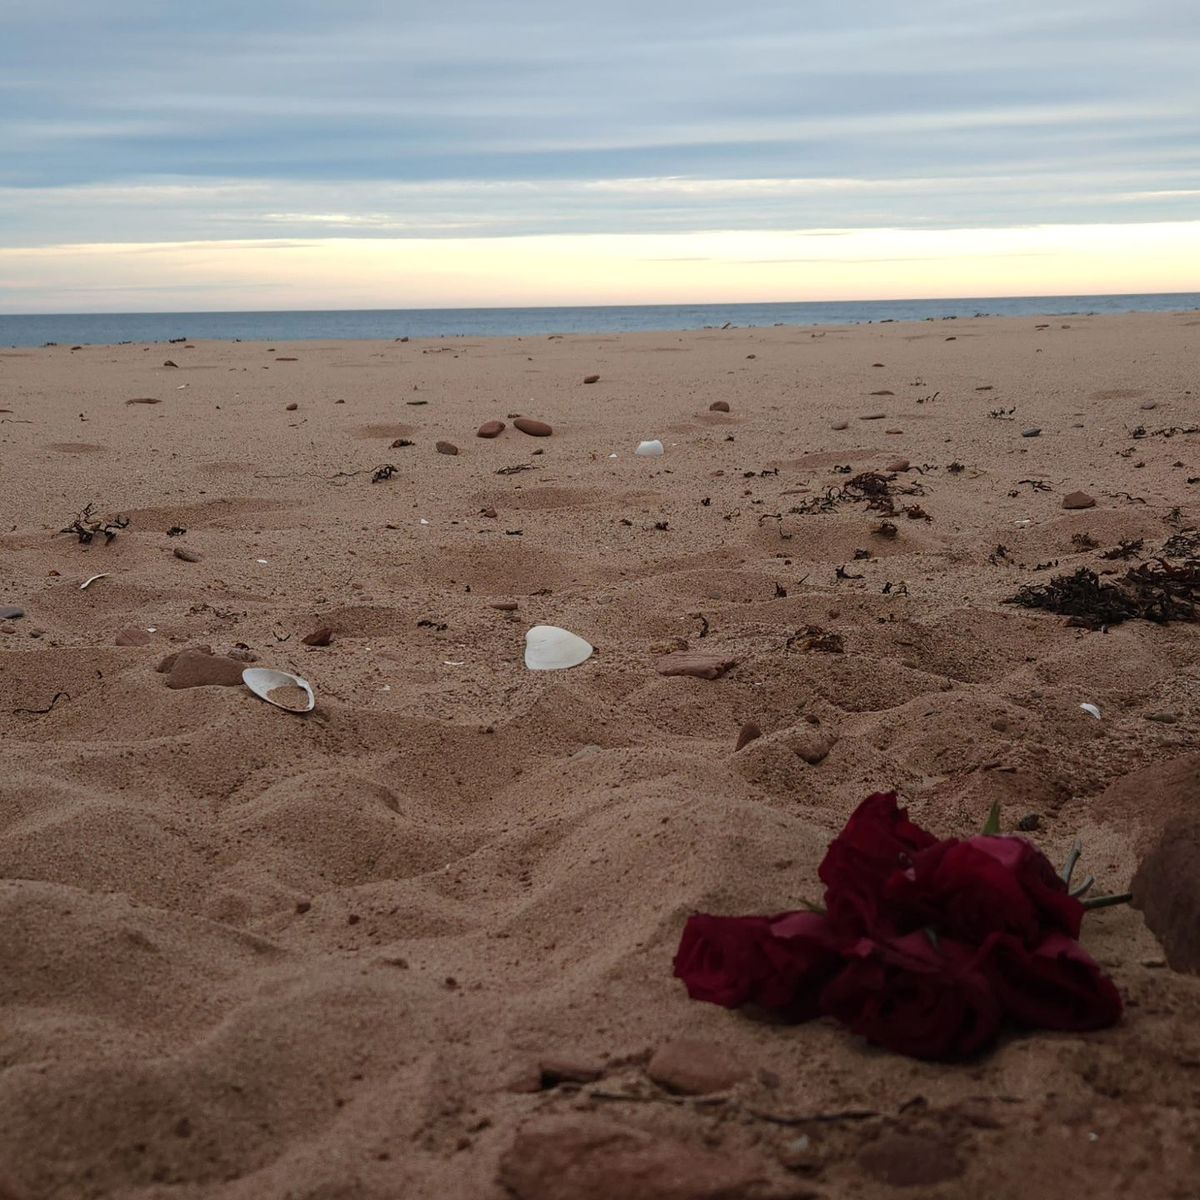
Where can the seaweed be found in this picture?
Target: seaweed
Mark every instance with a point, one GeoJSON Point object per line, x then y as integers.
{"type": "Point", "coordinates": [1152, 591]}
{"type": "Point", "coordinates": [87, 525]}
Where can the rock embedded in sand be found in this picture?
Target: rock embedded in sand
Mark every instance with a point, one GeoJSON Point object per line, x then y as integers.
{"type": "Point", "coordinates": [591, 379]}
{"type": "Point", "coordinates": [840, 425]}
{"type": "Point", "coordinates": [906, 1160]}
{"type": "Point", "coordinates": [557, 1069]}
{"type": "Point", "coordinates": [692, 1067]}
{"type": "Point", "coordinates": [1033, 431]}
{"type": "Point", "coordinates": [133, 637]}
{"type": "Point", "coordinates": [291, 407]}
{"type": "Point", "coordinates": [490, 429]}
{"type": "Point", "coordinates": [719, 406]}
{"type": "Point", "coordinates": [11, 612]}
{"type": "Point", "coordinates": [1166, 887]}
{"type": "Point", "coordinates": [533, 428]}
{"type": "Point", "coordinates": [873, 416]}
{"type": "Point", "coordinates": [445, 447]}
{"type": "Point", "coordinates": [901, 464]}
{"type": "Point", "coordinates": [590, 1158]}
{"type": "Point", "coordinates": [1078, 500]}
{"type": "Point", "coordinates": [186, 555]}
{"type": "Point", "coordinates": [196, 668]}
{"type": "Point", "coordinates": [692, 662]}
{"type": "Point", "coordinates": [319, 637]}
{"type": "Point", "coordinates": [747, 734]}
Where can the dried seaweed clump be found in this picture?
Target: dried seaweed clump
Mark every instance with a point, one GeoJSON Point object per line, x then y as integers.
{"type": "Point", "coordinates": [86, 526]}
{"type": "Point", "coordinates": [1153, 591]}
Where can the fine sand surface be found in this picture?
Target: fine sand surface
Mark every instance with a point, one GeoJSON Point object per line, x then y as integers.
{"type": "Point", "coordinates": [418, 943]}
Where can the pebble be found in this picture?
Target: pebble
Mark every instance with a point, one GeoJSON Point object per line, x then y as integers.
{"type": "Point", "coordinates": [319, 637]}
{"type": "Point", "coordinates": [719, 406]}
{"type": "Point", "coordinates": [691, 662]}
{"type": "Point", "coordinates": [568, 1070]}
{"type": "Point", "coordinates": [893, 431]}
{"type": "Point", "coordinates": [1166, 718]}
{"type": "Point", "coordinates": [901, 464]}
{"type": "Point", "coordinates": [1033, 431]}
{"type": "Point", "coordinates": [747, 734]}
{"type": "Point", "coordinates": [186, 555]}
{"type": "Point", "coordinates": [133, 637]}
{"type": "Point", "coordinates": [1078, 500]}
{"type": "Point", "coordinates": [692, 1067]}
{"type": "Point", "coordinates": [505, 605]}
{"type": "Point", "coordinates": [1149, 406]}
{"type": "Point", "coordinates": [591, 379]}
{"type": "Point", "coordinates": [292, 407]}
{"type": "Point", "coordinates": [872, 416]}
{"type": "Point", "coordinates": [11, 613]}
{"type": "Point", "coordinates": [446, 448]}
{"type": "Point", "coordinates": [533, 428]}
{"type": "Point", "coordinates": [840, 425]}
{"type": "Point", "coordinates": [490, 429]}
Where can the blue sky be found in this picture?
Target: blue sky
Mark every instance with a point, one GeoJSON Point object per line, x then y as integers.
{"type": "Point", "coordinates": [132, 123]}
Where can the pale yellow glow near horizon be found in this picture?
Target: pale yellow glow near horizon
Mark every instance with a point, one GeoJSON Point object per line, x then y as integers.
{"type": "Point", "coordinates": [679, 268]}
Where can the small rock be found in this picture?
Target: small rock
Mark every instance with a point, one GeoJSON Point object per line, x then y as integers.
{"type": "Point", "coordinates": [195, 668]}
{"type": "Point", "coordinates": [810, 744]}
{"type": "Point", "coordinates": [242, 654]}
{"type": "Point", "coordinates": [1166, 718]}
{"type": "Point", "coordinates": [910, 1160]}
{"type": "Point", "coordinates": [693, 1067]}
{"type": "Point", "coordinates": [872, 416]}
{"type": "Point", "coordinates": [319, 637]}
{"type": "Point", "coordinates": [182, 553]}
{"type": "Point", "coordinates": [291, 407]}
{"type": "Point", "coordinates": [490, 513]}
{"type": "Point", "coordinates": [169, 363]}
{"type": "Point", "coordinates": [133, 637]}
{"type": "Point", "coordinates": [893, 431]}
{"type": "Point", "coordinates": [400, 443]}
{"type": "Point", "coordinates": [11, 613]}
{"type": "Point", "coordinates": [692, 662]}
{"type": "Point", "coordinates": [840, 425]}
{"type": "Point", "coordinates": [1149, 406]}
{"type": "Point", "coordinates": [504, 606]}
{"type": "Point", "coordinates": [591, 379]}
{"type": "Point", "coordinates": [1078, 500]}
{"type": "Point", "coordinates": [719, 406]}
{"type": "Point", "coordinates": [901, 464]}
{"type": "Point", "coordinates": [446, 448]}
{"type": "Point", "coordinates": [1034, 431]}
{"type": "Point", "coordinates": [490, 429]}
{"type": "Point", "coordinates": [533, 428]}
{"type": "Point", "coordinates": [568, 1070]}
{"type": "Point", "coordinates": [747, 734]}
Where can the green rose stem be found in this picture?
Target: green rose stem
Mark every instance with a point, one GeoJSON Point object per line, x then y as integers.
{"type": "Point", "coordinates": [1107, 901]}
{"type": "Point", "coordinates": [1095, 901]}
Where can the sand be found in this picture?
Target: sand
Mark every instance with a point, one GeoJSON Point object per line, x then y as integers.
{"type": "Point", "coordinates": [418, 943]}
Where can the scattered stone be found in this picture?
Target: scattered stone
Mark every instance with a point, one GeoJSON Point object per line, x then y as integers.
{"type": "Point", "coordinates": [568, 1070]}
{"type": "Point", "coordinates": [505, 606]}
{"type": "Point", "coordinates": [747, 734]}
{"type": "Point", "coordinates": [906, 1160]}
{"type": "Point", "coordinates": [1033, 431]}
{"type": "Point", "coordinates": [243, 653]}
{"type": "Point", "coordinates": [446, 448]}
{"type": "Point", "coordinates": [1149, 406]}
{"type": "Point", "coordinates": [490, 429]}
{"type": "Point", "coordinates": [182, 553]}
{"type": "Point", "coordinates": [893, 431]}
{"type": "Point", "coordinates": [169, 363]}
{"type": "Point", "coordinates": [589, 1158]}
{"type": "Point", "coordinates": [400, 443]}
{"type": "Point", "coordinates": [133, 637]}
{"type": "Point", "coordinates": [692, 1067]}
{"type": "Point", "coordinates": [873, 416]}
{"type": "Point", "coordinates": [1166, 718]}
{"type": "Point", "coordinates": [292, 407]}
{"type": "Point", "coordinates": [591, 379]}
{"type": "Point", "coordinates": [883, 392]}
{"type": "Point", "coordinates": [692, 662]}
{"type": "Point", "coordinates": [319, 637]}
{"type": "Point", "coordinates": [901, 464]}
{"type": "Point", "coordinates": [810, 744]}
{"type": "Point", "coordinates": [1029, 823]}
{"type": "Point", "coordinates": [533, 428]}
{"type": "Point", "coordinates": [201, 668]}
{"type": "Point", "coordinates": [1078, 500]}
{"type": "Point", "coordinates": [490, 513]}
{"type": "Point", "coordinates": [144, 400]}
{"type": "Point", "coordinates": [719, 406]}
{"type": "Point", "coordinates": [11, 613]}
{"type": "Point", "coordinates": [840, 425]}
{"type": "Point", "coordinates": [1166, 888]}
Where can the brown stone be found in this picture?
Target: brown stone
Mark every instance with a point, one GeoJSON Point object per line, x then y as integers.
{"type": "Point", "coordinates": [901, 464]}
{"type": "Point", "coordinates": [291, 407]}
{"type": "Point", "coordinates": [446, 448]}
{"type": "Point", "coordinates": [591, 1158]}
{"type": "Point", "coordinates": [1078, 500]}
{"type": "Point", "coordinates": [505, 605]}
{"type": "Point", "coordinates": [840, 425]}
{"type": "Point", "coordinates": [490, 429]}
{"type": "Point", "coordinates": [1166, 887]}
{"type": "Point", "coordinates": [144, 400]}
{"type": "Point", "coordinates": [693, 1067]}
{"type": "Point", "coordinates": [194, 668]}
{"type": "Point", "coordinates": [133, 637]}
{"type": "Point", "coordinates": [186, 555]}
{"type": "Point", "coordinates": [319, 637]}
{"type": "Point", "coordinates": [719, 406]}
{"type": "Point", "coordinates": [591, 379]}
{"type": "Point", "coordinates": [872, 416]}
{"type": "Point", "coordinates": [556, 1070]}
{"type": "Point", "coordinates": [692, 662]}
{"type": "Point", "coordinates": [905, 1160]}
{"type": "Point", "coordinates": [747, 734]}
{"type": "Point", "coordinates": [11, 612]}
{"type": "Point", "coordinates": [533, 428]}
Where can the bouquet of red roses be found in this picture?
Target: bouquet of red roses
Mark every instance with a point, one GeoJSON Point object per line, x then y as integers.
{"type": "Point", "coordinates": [925, 947]}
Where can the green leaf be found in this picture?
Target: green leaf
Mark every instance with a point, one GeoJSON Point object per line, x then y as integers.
{"type": "Point", "coordinates": [991, 826]}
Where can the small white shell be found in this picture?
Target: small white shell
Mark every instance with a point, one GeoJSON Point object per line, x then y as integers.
{"type": "Point", "coordinates": [262, 681]}
{"type": "Point", "coordinates": [548, 648]}
{"type": "Point", "coordinates": [651, 449]}
{"type": "Point", "coordinates": [1091, 710]}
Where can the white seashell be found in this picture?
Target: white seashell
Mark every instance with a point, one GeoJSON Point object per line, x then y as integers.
{"type": "Point", "coordinates": [650, 449]}
{"type": "Point", "coordinates": [548, 648]}
{"type": "Point", "coordinates": [1091, 710]}
{"type": "Point", "coordinates": [88, 582]}
{"type": "Point", "coordinates": [262, 681]}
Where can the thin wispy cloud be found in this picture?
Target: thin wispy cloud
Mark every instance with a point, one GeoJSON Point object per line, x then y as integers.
{"type": "Point", "coordinates": [136, 121]}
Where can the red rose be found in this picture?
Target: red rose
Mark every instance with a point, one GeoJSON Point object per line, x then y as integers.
{"type": "Point", "coordinates": [970, 890]}
{"type": "Point", "coordinates": [878, 840]}
{"type": "Point", "coordinates": [916, 997]}
{"type": "Point", "coordinates": [1058, 985]}
{"type": "Point", "coordinates": [779, 963]}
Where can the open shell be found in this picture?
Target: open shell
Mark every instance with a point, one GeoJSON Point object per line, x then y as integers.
{"type": "Point", "coordinates": [262, 681]}
{"type": "Point", "coordinates": [548, 648]}
{"type": "Point", "coordinates": [649, 449]}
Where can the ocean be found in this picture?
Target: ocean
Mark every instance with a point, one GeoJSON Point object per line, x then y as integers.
{"type": "Point", "coordinates": [70, 329]}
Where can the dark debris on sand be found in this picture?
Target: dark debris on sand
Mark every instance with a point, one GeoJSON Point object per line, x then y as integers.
{"type": "Point", "coordinates": [1152, 591]}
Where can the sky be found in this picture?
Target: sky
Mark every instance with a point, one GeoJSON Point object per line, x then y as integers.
{"type": "Point", "coordinates": [158, 155]}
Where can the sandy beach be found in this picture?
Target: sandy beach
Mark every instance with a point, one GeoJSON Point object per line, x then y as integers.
{"type": "Point", "coordinates": [418, 942]}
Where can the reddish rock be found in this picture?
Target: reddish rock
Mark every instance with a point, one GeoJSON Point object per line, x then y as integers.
{"type": "Point", "coordinates": [291, 407]}
{"type": "Point", "coordinates": [1078, 500]}
{"type": "Point", "coordinates": [446, 448]}
{"type": "Point", "coordinates": [490, 429]}
{"type": "Point", "coordinates": [693, 1067]}
{"type": "Point", "coordinates": [195, 668]}
{"type": "Point", "coordinates": [901, 464]}
{"type": "Point", "coordinates": [186, 555]}
{"type": "Point", "coordinates": [591, 379]}
{"type": "Point", "coordinates": [133, 637]}
{"type": "Point", "coordinates": [1166, 888]}
{"type": "Point", "coordinates": [747, 734]}
{"type": "Point", "coordinates": [533, 428]}
{"type": "Point", "coordinates": [692, 662]}
{"type": "Point", "coordinates": [319, 637]}
{"type": "Point", "coordinates": [590, 1158]}
{"type": "Point", "coordinates": [719, 406]}
{"type": "Point", "coordinates": [906, 1160]}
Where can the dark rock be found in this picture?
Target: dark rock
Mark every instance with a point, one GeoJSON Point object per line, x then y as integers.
{"type": "Point", "coordinates": [1035, 431]}
{"type": "Point", "coordinates": [186, 555]}
{"type": "Point", "coordinates": [446, 448]}
{"type": "Point", "coordinates": [906, 1160]}
{"type": "Point", "coordinates": [719, 406]}
{"type": "Point", "coordinates": [319, 637]}
{"type": "Point", "coordinates": [901, 464]}
{"type": "Point", "coordinates": [872, 416]}
{"type": "Point", "coordinates": [591, 379]}
{"type": "Point", "coordinates": [1166, 888]}
{"type": "Point", "coordinates": [840, 425]}
{"type": "Point", "coordinates": [490, 429]}
{"type": "Point", "coordinates": [533, 428]}
{"type": "Point", "coordinates": [692, 662]}
{"type": "Point", "coordinates": [1078, 500]}
{"type": "Point", "coordinates": [693, 1067]}
{"type": "Point", "coordinates": [11, 612]}
{"type": "Point", "coordinates": [291, 407]}
{"type": "Point", "coordinates": [747, 734]}
{"type": "Point", "coordinates": [568, 1070]}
